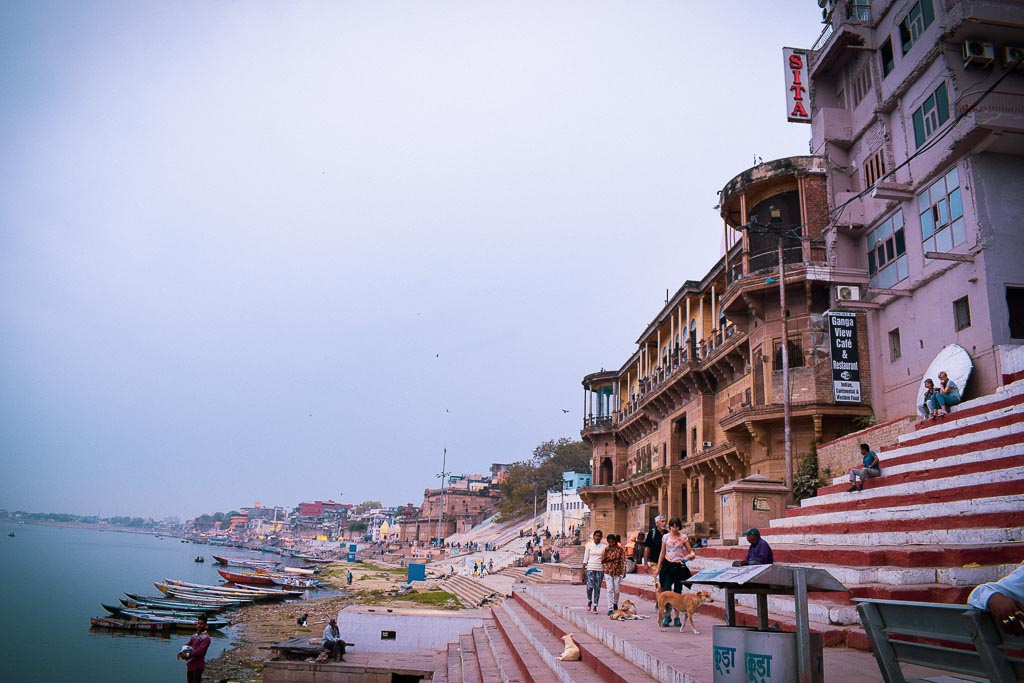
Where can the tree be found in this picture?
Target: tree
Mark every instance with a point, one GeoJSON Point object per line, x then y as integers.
{"type": "Point", "coordinates": [531, 479]}
{"type": "Point", "coordinates": [367, 505]}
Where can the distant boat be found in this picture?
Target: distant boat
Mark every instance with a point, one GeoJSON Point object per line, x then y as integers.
{"type": "Point", "coordinates": [125, 625]}
{"type": "Point", "coordinates": [199, 558]}
{"type": "Point", "coordinates": [294, 581]}
{"type": "Point", "coordinates": [10, 534]}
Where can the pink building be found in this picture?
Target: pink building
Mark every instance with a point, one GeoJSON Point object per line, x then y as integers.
{"type": "Point", "coordinates": [917, 107]}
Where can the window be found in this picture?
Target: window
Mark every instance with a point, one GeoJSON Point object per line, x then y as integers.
{"type": "Point", "coordinates": [1015, 307]}
{"type": "Point", "coordinates": [942, 213]}
{"type": "Point", "coordinates": [930, 115]}
{"type": "Point", "coordinates": [860, 85]}
{"type": "Point", "coordinates": [913, 25]}
{"type": "Point", "coordinates": [887, 252]}
{"type": "Point", "coordinates": [888, 63]}
{"type": "Point", "coordinates": [874, 168]}
{"type": "Point", "coordinates": [796, 356]}
{"type": "Point", "coordinates": [962, 314]}
{"type": "Point", "coordinates": [895, 352]}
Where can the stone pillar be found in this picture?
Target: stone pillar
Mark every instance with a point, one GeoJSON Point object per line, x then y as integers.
{"type": "Point", "coordinates": [750, 502]}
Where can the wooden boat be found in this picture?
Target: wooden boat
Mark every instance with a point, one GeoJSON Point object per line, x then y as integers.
{"type": "Point", "coordinates": [252, 578]}
{"type": "Point", "coordinates": [301, 571]}
{"type": "Point", "coordinates": [171, 605]}
{"type": "Point", "coordinates": [126, 625]}
{"type": "Point", "coordinates": [185, 621]}
{"type": "Point", "coordinates": [163, 598]}
{"type": "Point", "coordinates": [244, 562]}
{"type": "Point", "coordinates": [199, 596]}
{"type": "Point", "coordinates": [295, 582]}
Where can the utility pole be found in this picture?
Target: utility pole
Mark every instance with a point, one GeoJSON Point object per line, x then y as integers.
{"type": "Point", "coordinates": [440, 502]}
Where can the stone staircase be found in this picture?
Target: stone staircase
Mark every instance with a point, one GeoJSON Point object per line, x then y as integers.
{"type": "Point", "coordinates": [944, 516]}
{"type": "Point", "coordinates": [470, 591]}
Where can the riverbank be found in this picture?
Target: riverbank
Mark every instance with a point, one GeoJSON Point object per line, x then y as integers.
{"type": "Point", "coordinates": [261, 626]}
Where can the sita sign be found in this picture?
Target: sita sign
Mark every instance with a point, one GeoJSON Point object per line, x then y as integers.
{"type": "Point", "coordinates": [798, 100]}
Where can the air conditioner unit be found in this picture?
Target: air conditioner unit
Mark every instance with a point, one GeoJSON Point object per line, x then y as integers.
{"type": "Point", "coordinates": [847, 293]}
{"type": "Point", "coordinates": [707, 444]}
{"type": "Point", "coordinates": [978, 52]}
{"type": "Point", "coordinates": [1012, 56]}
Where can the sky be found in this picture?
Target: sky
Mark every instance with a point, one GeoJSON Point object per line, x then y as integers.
{"type": "Point", "coordinates": [290, 251]}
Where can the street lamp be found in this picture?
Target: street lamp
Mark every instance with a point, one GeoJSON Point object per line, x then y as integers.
{"type": "Point", "coordinates": [776, 228]}
{"type": "Point", "coordinates": [442, 475]}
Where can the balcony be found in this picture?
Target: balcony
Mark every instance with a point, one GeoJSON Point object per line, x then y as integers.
{"type": "Point", "coordinates": [835, 126]}
{"type": "Point", "coordinates": [849, 25]}
{"type": "Point", "coordinates": [995, 125]}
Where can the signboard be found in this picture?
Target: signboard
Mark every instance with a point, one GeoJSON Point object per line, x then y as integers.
{"type": "Point", "coordinates": [845, 360]}
{"type": "Point", "coordinates": [761, 505]}
{"type": "Point", "coordinates": [798, 101]}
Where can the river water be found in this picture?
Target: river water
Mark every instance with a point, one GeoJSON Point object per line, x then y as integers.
{"type": "Point", "coordinates": [52, 579]}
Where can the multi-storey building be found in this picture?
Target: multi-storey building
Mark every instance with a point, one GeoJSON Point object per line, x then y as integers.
{"type": "Point", "coordinates": [565, 509]}
{"type": "Point", "coordinates": [700, 404]}
{"type": "Point", "coordinates": [917, 109]}
{"type": "Point", "coordinates": [900, 230]}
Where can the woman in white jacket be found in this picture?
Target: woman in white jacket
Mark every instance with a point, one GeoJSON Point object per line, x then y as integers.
{"type": "Point", "coordinates": [592, 556]}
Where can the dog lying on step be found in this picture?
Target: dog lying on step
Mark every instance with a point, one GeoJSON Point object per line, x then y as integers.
{"type": "Point", "coordinates": [684, 603]}
{"type": "Point", "coordinates": [571, 653]}
{"type": "Point", "coordinates": [626, 613]}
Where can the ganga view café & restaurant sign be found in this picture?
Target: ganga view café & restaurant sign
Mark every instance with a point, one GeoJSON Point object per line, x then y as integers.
{"type": "Point", "coordinates": [842, 332]}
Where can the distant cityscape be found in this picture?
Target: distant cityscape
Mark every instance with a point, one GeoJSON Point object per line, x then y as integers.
{"type": "Point", "coordinates": [465, 501]}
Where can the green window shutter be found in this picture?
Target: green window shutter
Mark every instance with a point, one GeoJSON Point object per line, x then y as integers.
{"type": "Point", "coordinates": [942, 103]}
{"type": "Point", "coordinates": [927, 12]}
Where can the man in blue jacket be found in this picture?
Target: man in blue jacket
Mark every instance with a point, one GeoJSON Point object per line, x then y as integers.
{"type": "Point", "coordinates": [759, 551]}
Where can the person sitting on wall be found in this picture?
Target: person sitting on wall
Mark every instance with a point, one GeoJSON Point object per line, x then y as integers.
{"type": "Point", "coordinates": [332, 642]}
{"type": "Point", "coordinates": [945, 397]}
{"type": "Point", "coordinates": [872, 467]}
{"type": "Point", "coordinates": [759, 551]}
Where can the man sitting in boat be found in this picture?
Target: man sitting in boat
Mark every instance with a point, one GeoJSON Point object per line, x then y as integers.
{"type": "Point", "coordinates": [333, 643]}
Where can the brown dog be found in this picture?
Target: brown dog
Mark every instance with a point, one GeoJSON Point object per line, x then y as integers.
{"type": "Point", "coordinates": [571, 653]}
{"type": "Point", "coordinates": [684, 603]}
{"type": "Point", "coordinates": [626, 612]}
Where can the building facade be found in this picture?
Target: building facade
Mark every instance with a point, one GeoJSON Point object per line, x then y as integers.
{"type": "Point", "coordinates": [565, 509]}
{"type": "Point", "coordinates": [917, 109]}
{"type": "Point", "coordinates": [699, 404]}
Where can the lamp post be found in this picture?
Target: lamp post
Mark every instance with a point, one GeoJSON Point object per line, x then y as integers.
{"type": "Point", "coordinates": [442, 475]}
{"type": "Point", "coordinates": [562, 506]}
{"type": "Point", "coordinates": [776, 228]}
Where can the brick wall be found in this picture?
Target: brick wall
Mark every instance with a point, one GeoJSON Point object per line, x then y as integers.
{"type": "Point", "coordinates": [843, 453]}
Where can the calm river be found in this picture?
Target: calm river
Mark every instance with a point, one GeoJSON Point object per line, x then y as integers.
{"type": "Point", "coordinates": [53, 579]}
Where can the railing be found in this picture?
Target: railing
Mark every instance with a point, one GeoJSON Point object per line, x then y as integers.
{"type": "Point", "coordinates": [823, 39]}
{"type": "Point", "coordinates": [858, 10]}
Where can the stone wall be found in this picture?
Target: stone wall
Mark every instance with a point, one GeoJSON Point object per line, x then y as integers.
{"type": "Point", "coordinates": [843, 453]}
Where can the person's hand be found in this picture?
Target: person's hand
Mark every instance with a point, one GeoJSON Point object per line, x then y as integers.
{"type": "Point", "coordinates": [1008, 613]}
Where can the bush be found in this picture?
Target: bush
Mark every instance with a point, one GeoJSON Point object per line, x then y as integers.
{"type": "Point", "coordinates": [807, 479]}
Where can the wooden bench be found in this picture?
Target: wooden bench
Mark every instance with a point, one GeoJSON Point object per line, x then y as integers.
{"type": "Point", "coordinates": [953, 638]}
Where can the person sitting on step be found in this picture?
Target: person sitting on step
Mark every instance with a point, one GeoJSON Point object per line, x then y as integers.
{"type": "Point", "coordinates": [945, 397]}
{"type": "Point", "coordinates": [872, 467]}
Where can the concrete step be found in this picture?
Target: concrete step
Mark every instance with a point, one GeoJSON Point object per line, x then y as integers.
{"type": "Point", "coordinates": [454, 664]}
{"type": "Point", "coordinates": [978, 408]}
{"type": "Point", "coordinates": [545, 637]}
{"type": "Point", "coordinates": [469, 660]}
{"type": "Point", "coordinates": [509, 670]}
{"type": "Point", "coordinates": [960, 457]}
{"type": "Point", "coordinates": [975, 509]}
{"type": "Point", "coordinates": [441, 666]}
{"type": "Point", "coordinates": [529, 660]}
{"type": "Point", "coordinates": [469, 591]}
{"type": "Point", "coordinates": [878, 557]}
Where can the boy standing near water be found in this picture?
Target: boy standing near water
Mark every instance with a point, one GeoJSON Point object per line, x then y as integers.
{"type": "Point", "coordinates": [195, 661]}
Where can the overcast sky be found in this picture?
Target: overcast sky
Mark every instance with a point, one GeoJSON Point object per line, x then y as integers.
{"type": "Point", "coordinates": [291, 251]}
